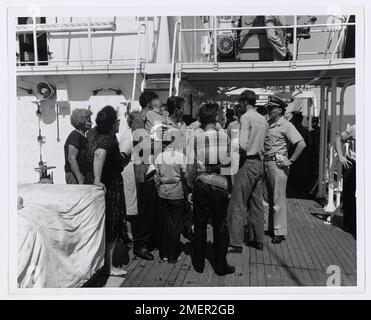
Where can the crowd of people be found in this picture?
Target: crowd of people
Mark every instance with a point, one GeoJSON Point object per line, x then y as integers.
{"type": "Point", "coordinates": [188, 176]}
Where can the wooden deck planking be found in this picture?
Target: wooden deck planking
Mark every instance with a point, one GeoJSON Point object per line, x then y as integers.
{"type": "Point", "coordinates": [310, 247]}
{"type": "Point", "coordinates": [185, 268]}
{"type": "Point", "coordinates": [173, 274]}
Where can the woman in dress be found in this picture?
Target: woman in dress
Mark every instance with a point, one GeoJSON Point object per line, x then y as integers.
{"type": "Point", "coordinates": [75, 144]}
{"type": "Point", "coordinates": [105, 164]}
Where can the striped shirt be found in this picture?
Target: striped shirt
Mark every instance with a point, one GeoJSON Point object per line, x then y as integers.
{"type": "Point", "coordinates": [211, 158]}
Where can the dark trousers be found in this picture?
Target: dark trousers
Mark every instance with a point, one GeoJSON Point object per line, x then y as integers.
{"type": "Point", "coordinates": [349, 199]}
{"type": "Point", "coordinates": [144, 223]}
{"type": "Point", "coordinates": [170, 217]}
{"type": "Point", "coordinates": [187, 220]}
{"type": "Point", "coordinates": [247, 203]}
{"type": "Point", "coordinates": [209, 201]}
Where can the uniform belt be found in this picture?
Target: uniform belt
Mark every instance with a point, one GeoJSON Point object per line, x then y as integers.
{"type": "Point", "coordinates": [256, 156]}
{"type": "Point", "coordinates": [270, 158]}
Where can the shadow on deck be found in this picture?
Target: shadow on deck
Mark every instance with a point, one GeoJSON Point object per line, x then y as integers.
{"type": "Point", "coordinates": [302, 260]}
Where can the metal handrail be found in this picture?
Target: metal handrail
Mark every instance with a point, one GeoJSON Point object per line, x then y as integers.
{"type": "Point", "coordinates": [265, 27]}
{"type": "Point", "coordinates": [41, 28]}
{"type": "Point", "coordinates": [177, 23]}
{"type": "Point", "coordinates": [65, 27]}
{"type": "Point", "coordinates": [295, 26]}
{"type": "Point", "coordinates": [77, 60]}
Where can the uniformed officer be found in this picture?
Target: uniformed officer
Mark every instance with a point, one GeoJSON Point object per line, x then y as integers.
{"type": "Point", "coordinates": [277, 165]}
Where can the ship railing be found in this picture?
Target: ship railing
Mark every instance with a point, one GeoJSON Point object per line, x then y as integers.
{"type": "Point", "coordinates": [90, 29]}
{"type": "Point", "coordinates": [315, 29]}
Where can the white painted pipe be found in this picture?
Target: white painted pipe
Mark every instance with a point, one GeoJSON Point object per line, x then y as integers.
{"type": "Point", "coordinates": [330, 207]}
{"type": "Point", "coordinates": [135, 71]}
{"type": "Point", "coordinates": [36, 53]}
{"type": "Point", "coordinates": [173, 59]}
{"type": "Point", "coordinates": [322, 143]}
{"type": "Point", "coordinates": [295, 39]}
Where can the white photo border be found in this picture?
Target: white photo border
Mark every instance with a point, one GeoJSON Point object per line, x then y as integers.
{"type": "Point", "coordinates": [88, 8]}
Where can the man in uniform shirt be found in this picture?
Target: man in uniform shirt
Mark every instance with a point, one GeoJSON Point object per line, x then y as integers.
{"type": "Point", "coordinates": [247, 189]}
{"type": "Point", "coordinates": [277, 166]}
{"type": "Point", "coordinates": [348, 163]}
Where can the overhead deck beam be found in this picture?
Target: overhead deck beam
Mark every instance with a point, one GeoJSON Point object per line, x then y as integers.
{"type": "Point", "coordinates": [78, 69]}
{"type": "Point", "coordinates": [257, 74]}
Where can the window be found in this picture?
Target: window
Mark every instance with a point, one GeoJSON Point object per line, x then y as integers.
{"type": "Point", "coordinates": [26, 44]}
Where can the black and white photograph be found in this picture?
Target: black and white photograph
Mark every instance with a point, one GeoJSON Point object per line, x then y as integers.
{"type": "Point", "coordinates": [186, 148]}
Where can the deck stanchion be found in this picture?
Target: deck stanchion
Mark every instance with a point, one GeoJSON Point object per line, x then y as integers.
{"type": "Point", "coordinates": [146, 38]}
{"type": "Point", "coordinates": [330, 207]}
{"type": "Point", "coordinates": [135, 69]}
{"type": "Point", "coordinates": [173, 59]}
{"type": "Point", "coordinates": [322, 143]}
{"type": "Point", "coordinates": [215, 42]}
{"type": "Point", "coordinates": [36, 53]}
{"type": "Point", "coordinates": [180, 40]}
{"type": "Point", "coordinates": [295, 39]}
{"type": "Point", "coordinates": [89, 41]}
{"type": "Point", "coordinates": [326, 148]}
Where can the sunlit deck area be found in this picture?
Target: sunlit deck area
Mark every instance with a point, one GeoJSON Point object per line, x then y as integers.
{"type": "Point", "coordinates": [302, 260]}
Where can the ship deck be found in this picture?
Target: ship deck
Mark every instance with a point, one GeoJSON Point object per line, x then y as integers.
{"type": "Point", "coordinates": [302, 260]}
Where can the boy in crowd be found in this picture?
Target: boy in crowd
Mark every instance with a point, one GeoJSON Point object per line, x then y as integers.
{"type": "Point", "coordinates": [171, 186]}
{"type": "Point", "coordinates": [155, 115]}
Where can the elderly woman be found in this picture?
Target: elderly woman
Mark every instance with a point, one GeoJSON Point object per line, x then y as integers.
{"type": "Point", "coordinates": [75, 144]}
{"type": "Point", "coordinates": [105, 164]}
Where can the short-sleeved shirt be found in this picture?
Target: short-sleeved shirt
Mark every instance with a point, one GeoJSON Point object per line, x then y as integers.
{"type": "Point", "coordinates": [196, 126]}
{"type": "Point", "coordinates": [254, 135]}
{"type": "Point", "coordinates": [170, 165]}
{"type": "Point", "coordinates": [349, 135]}
{"type": "Point", "coordinates": [77, 140]}
{"type": "Point", "coordinates": [211, 151]}
{"type": "Point", "coordinates": [152, 117]}
{"type": "Point", "coordinates": [283, 135]}
{"type": "Point", "coordinates": [178, 131]}
{"type": "Point", "coordinates": [114, 161]}
{"type": "Point", "coordinates": [234, 125]}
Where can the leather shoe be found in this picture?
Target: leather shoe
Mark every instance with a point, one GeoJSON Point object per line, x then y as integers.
{"type": "Point", "coordinates": [255, 244]}
{"type": "Point", "coordinates": [233, 249]}
{"type": "Point", "coordinates": [278, 239]}
{"type": "Point", "coordinates": [143, 254]}
{"type": "Point", "coordinates": [227, 269]}
{"type": "Point", "coordinates": [173, 261]}
{"type": "Point", "coordinates": [199, 269]}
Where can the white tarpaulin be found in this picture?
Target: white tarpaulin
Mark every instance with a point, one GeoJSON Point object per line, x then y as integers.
{"type": "Point", "coordinates": [60, 235]}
